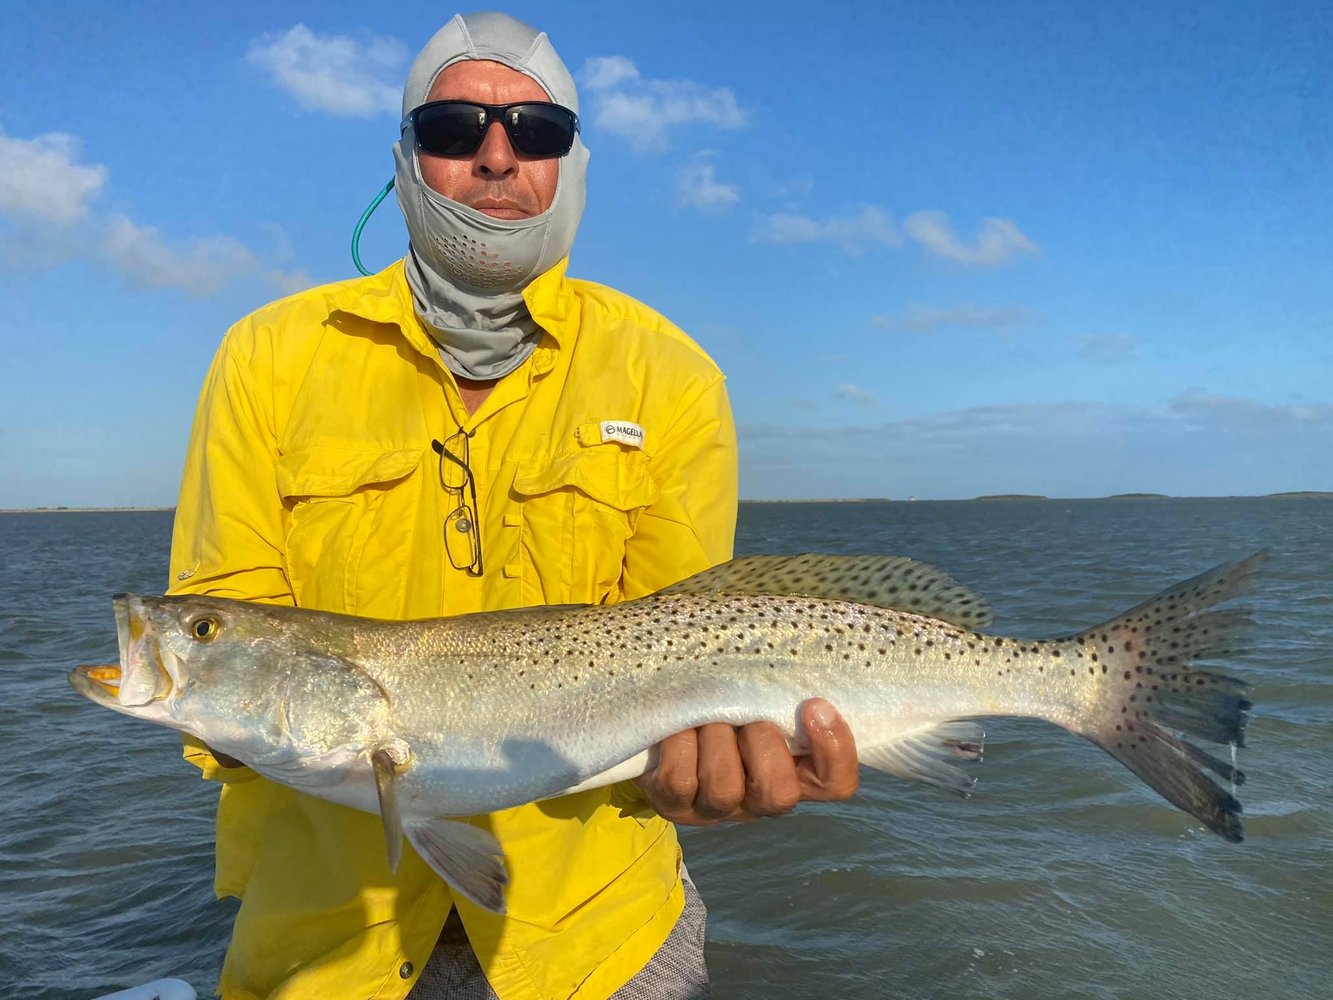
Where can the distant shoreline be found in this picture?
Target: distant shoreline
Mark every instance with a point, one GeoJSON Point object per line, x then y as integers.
{"type": "Point", "coordinates": [82, 510]}
{"type": "Point", "coordinates": [985, 498]}
{"type": "Point", "coordinates": [1009, 497]}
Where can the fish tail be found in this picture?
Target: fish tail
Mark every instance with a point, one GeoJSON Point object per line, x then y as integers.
{"type": "Point", "coordinates": [1156, 699]}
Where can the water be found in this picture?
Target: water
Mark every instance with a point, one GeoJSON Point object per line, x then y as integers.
{"type": "Point", "coordinates": [1062, 877]}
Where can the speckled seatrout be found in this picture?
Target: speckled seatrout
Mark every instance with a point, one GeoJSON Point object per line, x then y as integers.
{"type": "Point", "coordinates": [422, 720]}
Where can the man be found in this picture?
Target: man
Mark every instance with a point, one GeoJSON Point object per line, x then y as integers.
{"type": "Point", "coordinates": [470, 430]}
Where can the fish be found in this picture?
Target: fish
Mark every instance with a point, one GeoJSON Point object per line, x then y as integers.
{"type": "Point", "coordinates": [430, 721]}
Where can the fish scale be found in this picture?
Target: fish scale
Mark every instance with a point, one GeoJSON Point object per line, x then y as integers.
{"type": "Point", "coordinates": [422, 721]}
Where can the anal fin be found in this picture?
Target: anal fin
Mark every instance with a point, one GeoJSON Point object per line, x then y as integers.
{"type": "Point", "coordinates": [927, 754]}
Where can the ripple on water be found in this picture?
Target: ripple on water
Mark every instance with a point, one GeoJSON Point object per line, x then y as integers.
{"type": "Point", "coordinates": [1061, 877]}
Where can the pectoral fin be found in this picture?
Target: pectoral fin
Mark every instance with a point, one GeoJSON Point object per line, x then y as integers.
{"type": "Point", "coordinates": [468, 858]}
{"type": "Point", "coordinates": [389, 761]}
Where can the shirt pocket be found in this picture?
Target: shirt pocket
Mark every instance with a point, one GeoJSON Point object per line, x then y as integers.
{"type": "Point", "coordinates": [334, 499]}
{"type": "Point", "coordinates": [577, 512]}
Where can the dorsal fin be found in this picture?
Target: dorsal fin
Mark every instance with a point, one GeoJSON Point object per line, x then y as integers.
{"type": "Point", "coordinates": [882, 581]}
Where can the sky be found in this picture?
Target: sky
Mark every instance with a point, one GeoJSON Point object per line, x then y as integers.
{"type": "Point", "coordinates": [941, 250]}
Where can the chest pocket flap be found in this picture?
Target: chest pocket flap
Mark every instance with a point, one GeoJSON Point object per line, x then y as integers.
{"type": "Point", "coordinates": [337, 500]}
{"type": "Point", "coordinates": [328, 471]}
{"type": "Point", "coordinates": [607, 474]}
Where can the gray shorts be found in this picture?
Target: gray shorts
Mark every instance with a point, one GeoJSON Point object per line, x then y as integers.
{"type": "Point", "coordinates": [675, 972]}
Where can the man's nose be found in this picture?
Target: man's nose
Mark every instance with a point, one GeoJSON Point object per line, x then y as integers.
{"type": "Point", "coordinates": [495, 157]}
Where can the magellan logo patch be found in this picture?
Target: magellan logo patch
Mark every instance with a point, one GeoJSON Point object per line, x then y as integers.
{"type": "Point", "coordinates": [624, 431]}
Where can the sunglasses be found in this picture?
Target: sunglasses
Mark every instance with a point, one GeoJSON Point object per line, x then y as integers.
{"type": "Point", "coordinates": [457, 128]}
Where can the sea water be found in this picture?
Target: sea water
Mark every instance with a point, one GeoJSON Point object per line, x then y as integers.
{"type": "Point", "coordinates": [1062, 877]}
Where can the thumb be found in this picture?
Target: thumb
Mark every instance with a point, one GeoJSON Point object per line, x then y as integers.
{"type": "Point", "coordinates": [832, 769]}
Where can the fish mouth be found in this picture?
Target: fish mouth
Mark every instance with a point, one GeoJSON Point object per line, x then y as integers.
{"type": "Point", "coordinates": [142, 676]}
{"type": "Point", "coordinates": [99, 683]}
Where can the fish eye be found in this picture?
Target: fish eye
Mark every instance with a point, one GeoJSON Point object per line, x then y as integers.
{"type": "Point", "coordinates": [205, 628]}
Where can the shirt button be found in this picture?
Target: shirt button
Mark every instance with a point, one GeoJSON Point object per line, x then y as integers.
{"type": "Point", "coordinates": [463, 525]}
{"type": "Point", "coordinates": [513, 519]}
{"type": "Point", "coordinates": [405, 970]}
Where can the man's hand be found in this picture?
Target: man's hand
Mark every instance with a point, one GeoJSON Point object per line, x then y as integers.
{"type": "Point", "coordinates": [719, 772]}
{"type": "Point", "coordinates": [222, 759]}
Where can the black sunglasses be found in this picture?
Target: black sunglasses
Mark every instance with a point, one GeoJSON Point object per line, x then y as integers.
{"type": "Point", "coordinates": [457, 128]}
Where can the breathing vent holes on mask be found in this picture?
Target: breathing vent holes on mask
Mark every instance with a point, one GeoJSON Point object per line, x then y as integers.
{"type": "Point", "coordinates": [475, 262]}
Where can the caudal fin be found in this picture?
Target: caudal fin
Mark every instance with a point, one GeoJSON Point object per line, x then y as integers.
{"type": "Point", "coordinates": [1156, 699]}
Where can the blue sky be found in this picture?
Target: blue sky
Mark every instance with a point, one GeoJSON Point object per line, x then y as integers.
{"type": "Point", "coordinates": [941, 249]}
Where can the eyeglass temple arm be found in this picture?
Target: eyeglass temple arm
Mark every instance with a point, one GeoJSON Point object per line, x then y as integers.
{"type": "Point", "coordinates": [444, 452]}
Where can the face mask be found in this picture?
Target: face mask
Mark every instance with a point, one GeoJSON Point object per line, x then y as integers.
{"type": "Point", "coordinates": [467, 270]}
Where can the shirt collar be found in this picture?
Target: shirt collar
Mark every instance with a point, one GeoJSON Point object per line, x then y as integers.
{"type": "Point", "coordinates": [386, 298]}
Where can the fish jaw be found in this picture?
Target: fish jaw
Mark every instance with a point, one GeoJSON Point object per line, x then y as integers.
{"type": "Point", "coordinates": [99, 683]}
{"type": "Point", "coordinates": [147, 678]}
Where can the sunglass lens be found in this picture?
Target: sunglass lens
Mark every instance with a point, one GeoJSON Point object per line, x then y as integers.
{"type": "Point", "coordinates": [538, 130]}
{"type": "Point", "coordinates": [449, 129]}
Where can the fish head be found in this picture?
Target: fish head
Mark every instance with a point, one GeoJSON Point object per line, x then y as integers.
{"type": "Point", "coordinates": [222, 670]}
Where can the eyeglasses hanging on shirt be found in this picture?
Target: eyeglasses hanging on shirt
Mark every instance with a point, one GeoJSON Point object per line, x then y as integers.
{"type": "Point", "coordinates": [462, 532]}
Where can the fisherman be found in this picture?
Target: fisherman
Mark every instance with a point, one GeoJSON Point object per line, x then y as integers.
{"type": "Point", "coordinates": [472, 430]}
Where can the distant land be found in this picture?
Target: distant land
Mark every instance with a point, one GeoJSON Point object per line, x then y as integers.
{"type": "Point", "coordinates": [990, 497]}
{"type": "Point", "coordinates": [80, 510]}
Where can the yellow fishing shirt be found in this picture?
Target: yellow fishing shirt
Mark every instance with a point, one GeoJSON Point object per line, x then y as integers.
{"type": "Point", "coordinates": [310, 479]}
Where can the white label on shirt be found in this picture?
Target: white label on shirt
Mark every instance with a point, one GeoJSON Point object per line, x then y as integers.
{"type": "Point", "coordinates": [623, 431]}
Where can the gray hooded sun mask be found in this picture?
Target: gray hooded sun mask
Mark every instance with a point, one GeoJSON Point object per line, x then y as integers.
{"type": "Point", "coordinates": [467, 270]}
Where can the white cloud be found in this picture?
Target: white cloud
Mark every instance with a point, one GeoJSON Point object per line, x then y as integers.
{"type": "Point", "coordinates": [1109, 346]}
{"type": "Point", "coordinates": [607, 72]}
{"type": "Point", "coordinates": [851, 232]}
{"type": "Point", "coordinates": [855, 394]}
{"type": "Point", "coordinates": [697, 186]}
{"type": "Point", "coordinates": [998, 242]}
{"type": "Point", "coordinates": [201, 267]}
{"type": "Point", "coordinates": [290, 282]}
{"type": "Point", "coordinates": [1196, 444]}
{"type": "Point", "coordinates": [923, 319]}
{"type": "Point", "coordinates": [40, 182]}
{"type": "Point", "coordinates": [643, 111]}
{"type": "Point", "coordinates": [334, 73]}
{"type": "Point", "coordinates": [45, 194]}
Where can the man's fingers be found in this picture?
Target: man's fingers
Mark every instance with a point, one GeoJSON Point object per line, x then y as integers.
{"type": "Point", "coordinates": [672, 785]}
{"type": "Point", "coordinates": [222, 759]}
{"type": "Point", "coordinates": [718, 772]}
{"type": "Point", "coordinates": [772, 785]}
{"type": "Point", "coordinates": [721, 773]}
{"type": "Point", "coordinates": [832, 770]}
